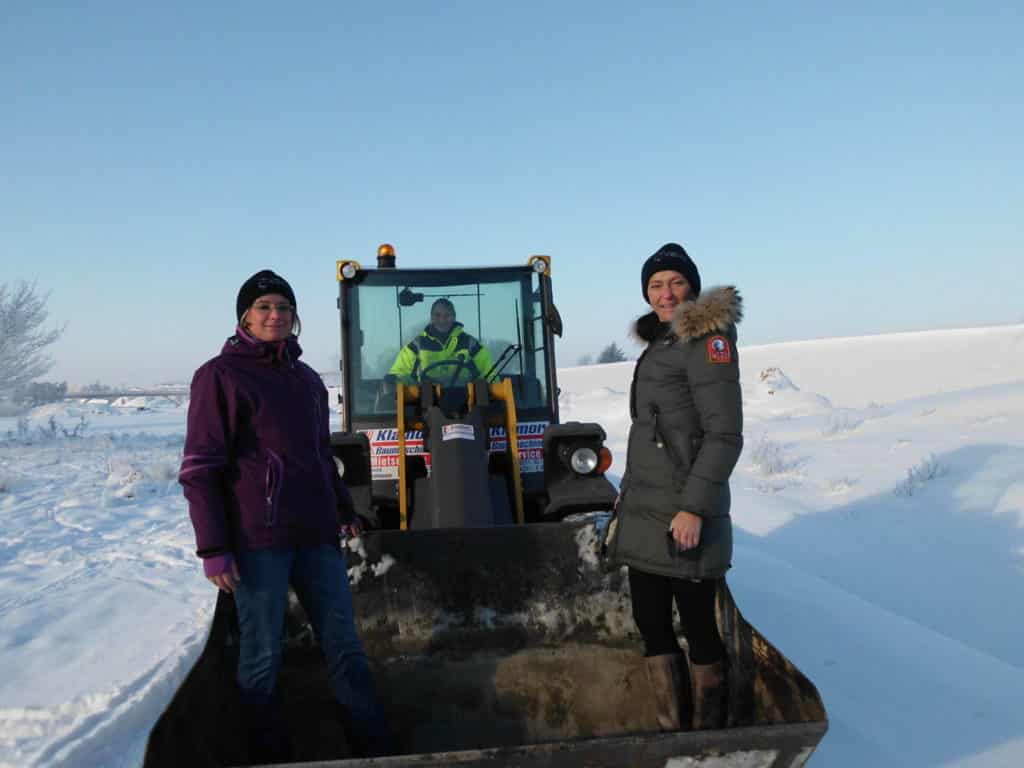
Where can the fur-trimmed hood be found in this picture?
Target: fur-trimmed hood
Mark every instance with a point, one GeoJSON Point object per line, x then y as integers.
{"type": "Point", "coordinates": [714, 311]}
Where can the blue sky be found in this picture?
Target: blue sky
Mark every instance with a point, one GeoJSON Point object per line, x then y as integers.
{"type": "Point", "coordinates": [852, 171]}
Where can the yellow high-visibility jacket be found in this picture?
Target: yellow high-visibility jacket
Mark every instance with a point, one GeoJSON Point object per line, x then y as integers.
{"type": "Point", "coordinates": [427, 349]}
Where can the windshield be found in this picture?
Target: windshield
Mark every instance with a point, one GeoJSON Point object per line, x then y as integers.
{"type": "Point", "coordinates": [447, 328]}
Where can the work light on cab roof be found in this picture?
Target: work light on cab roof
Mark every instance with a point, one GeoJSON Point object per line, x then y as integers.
{"type": "Point", "coordinates": [347, 269]}
{"type": "Point", "coordinates": [385, 256]}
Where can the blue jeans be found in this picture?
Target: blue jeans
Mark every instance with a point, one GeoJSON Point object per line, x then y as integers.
{"type": "Point", "coordinates": [320, 580]}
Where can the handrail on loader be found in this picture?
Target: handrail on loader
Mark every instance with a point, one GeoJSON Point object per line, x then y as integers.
{"type": "Point", "coordinates": [501, 392]}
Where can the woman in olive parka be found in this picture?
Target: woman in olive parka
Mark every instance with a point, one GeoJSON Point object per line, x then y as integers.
{"type": "Point", "coordinates": [673, 525]}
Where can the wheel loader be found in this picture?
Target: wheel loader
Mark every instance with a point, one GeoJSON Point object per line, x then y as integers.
{"type": "Point", "coordinates": [452, 446]}
{"type": "Point", "coordinates": [497, 634]}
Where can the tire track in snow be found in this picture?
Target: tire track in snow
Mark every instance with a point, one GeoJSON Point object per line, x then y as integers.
{"type": "Point", "coordinates": [101, 728]}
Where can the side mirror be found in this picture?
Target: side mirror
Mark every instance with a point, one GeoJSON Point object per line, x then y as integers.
{"type": "Point", "coordinates": [407, 298]}
{"type": "Point", "coordinates": [555, 321]}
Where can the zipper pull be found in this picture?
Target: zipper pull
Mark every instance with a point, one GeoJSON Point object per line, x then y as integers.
{"type": "Point", "coordinates": [657, 435]}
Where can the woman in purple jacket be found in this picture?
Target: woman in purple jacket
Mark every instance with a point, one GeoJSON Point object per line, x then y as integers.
{"type": "Point", "coordinates": [267, 506]}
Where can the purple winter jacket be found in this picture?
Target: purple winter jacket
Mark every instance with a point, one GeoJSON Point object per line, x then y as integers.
{"type": "Point", "coordinates": [258, 471]}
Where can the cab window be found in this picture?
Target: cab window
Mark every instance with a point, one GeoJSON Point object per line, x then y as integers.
{"type": "Point", "coordinates": [388, 313]}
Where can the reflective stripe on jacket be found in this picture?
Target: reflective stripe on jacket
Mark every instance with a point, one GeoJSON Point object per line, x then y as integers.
{"type": "Point", "coordinates": [428, 350]}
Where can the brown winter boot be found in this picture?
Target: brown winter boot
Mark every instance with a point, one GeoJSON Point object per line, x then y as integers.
{"type": "Point", "coordinates": [709, 695]}
{"type": "Point", "coordinates": [667, 675]}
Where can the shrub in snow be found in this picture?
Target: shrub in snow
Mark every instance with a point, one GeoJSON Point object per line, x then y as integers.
{"type": "Point", "coordinates": [918, 475]}
{"type": "Point", "coordinates": [164, 472]}
{"type": "Point", "coordinates": [768, 456]}
{"type": "Point", "coordinates": [78, 430]}
{"type": "Point", "coordinates": [775, 484]}
{"type": "Point", "coordinates": [774, 380]}
{"type": "Point", "coordinates": [841, 421]}
{"type": "Point", "coordinates": [49, 430]}
{"type": "Point", "coordinates": [837, 485]}
{"type": "Point", "coordinates": [122, 480]}
{"type": "Point", "coordinates": [132, 474]}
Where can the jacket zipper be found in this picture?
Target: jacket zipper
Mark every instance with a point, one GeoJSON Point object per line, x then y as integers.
{"type": "Point", "coordinates": [680, 467]}
{"type": "Point", "coordinates": [268, 516]}
{"type": "Point", "coordinates": [656, 437]}
{"type": "Point", "coordinates": [272, 487]}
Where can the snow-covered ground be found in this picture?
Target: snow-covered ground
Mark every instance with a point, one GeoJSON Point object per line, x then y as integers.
{"type": "Point", "coordinates": [879, 504]}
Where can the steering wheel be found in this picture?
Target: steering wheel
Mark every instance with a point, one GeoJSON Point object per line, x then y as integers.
{"type": "Point", "coordinates": [457, 362]}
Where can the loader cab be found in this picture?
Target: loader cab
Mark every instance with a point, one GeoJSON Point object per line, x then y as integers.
{"type": "Point", "coordinates": [508, 310]}
{"type": "Point", "coordinates": [526, 467]}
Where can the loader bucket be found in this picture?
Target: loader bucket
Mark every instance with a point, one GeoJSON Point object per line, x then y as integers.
{"type": "Point", "coordinates": [507, 646]}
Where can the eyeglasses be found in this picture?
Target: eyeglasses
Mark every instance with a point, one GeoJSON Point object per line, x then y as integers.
{"type": "Point", "coordinates": [265, 308]}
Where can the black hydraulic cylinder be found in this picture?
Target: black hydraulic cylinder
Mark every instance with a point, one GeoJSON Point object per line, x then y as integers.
{"type": "Point", "coordinates": [457, 493]}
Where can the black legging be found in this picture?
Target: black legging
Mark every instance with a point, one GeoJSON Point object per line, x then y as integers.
{"type": "Point", "coordinates": [652, 611]}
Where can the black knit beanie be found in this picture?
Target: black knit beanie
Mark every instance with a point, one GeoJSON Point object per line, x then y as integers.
{"type": "Point", "coordinates": [260, 284]}
{"type": "Point", "coordinates": [671, 256]}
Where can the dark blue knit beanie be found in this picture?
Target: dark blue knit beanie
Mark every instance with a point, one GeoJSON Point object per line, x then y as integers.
{"type": "Point", "coordinates": [671, 256]}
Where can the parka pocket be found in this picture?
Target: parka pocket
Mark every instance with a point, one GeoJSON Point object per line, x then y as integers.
{"type": "Point", "coordinates": [680, 456]}
{"type": "Point", "coordinates": [273, 481]}
{"type": "Point", "coordinates": [675, 553]}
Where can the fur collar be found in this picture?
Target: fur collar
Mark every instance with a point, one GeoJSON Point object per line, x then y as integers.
{"type": "Point", "coordinates": [647, 328]}
{"type": "Point", "coordinates": [714, 311]}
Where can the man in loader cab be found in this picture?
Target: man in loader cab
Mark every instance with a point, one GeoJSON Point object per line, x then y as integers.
{"type": "Point", "coordinates": [443, 352]}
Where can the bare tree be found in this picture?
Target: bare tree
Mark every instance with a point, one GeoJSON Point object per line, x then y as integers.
{"type": "Point", "coordinates": [23, 340]}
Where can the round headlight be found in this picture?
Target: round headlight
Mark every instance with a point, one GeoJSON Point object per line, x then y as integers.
{"type": "Point", "coordinates": [340, 465]}
{"type": "Point", "coordinates": [348, 271]}
{"type": "Point", "coordinates": [583, 461]}
{"type": "Point", "coordinates": [539, 265]}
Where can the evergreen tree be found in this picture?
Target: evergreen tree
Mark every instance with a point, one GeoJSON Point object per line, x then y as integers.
{"type": "Point", "coordinates": [611, 354]}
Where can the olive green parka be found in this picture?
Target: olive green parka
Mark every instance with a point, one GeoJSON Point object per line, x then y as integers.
{"type": "Point", "coordinates": [686, 436]}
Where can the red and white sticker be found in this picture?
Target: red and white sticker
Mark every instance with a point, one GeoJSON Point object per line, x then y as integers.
{"type": "Point", "coordinates": [719, 350]}
{"type": "Point", "coordinates": [384, 448]}
{"type": "Point", "coordinates": [458, 432]}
